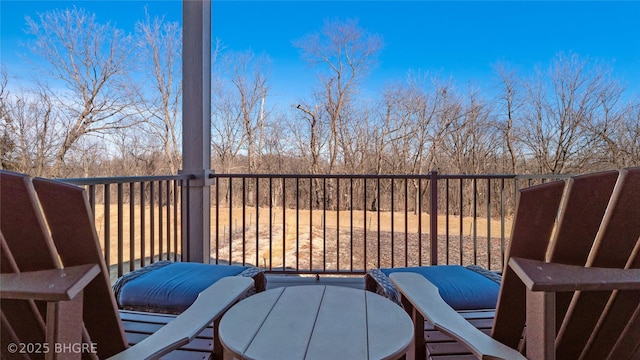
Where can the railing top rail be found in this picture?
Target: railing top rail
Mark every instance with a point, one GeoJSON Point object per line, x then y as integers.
{"type": "Point", "coordinates": [124, 179]}
{"type": "Point", "coordinates": [132, 179]}
{"type": "Point", "coordinates": [544, 176]}
{"type": "Point", "coordinates": [393, 176]}
{"type": "Point", "coordinates": [476, 176]}
{"type": "Point", "coordinates": [364, 176]}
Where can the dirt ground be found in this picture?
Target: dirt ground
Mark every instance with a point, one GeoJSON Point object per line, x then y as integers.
{"type": "Point", "coordinates": [322, 240]}
{"type": "Point", "coordinates": [332, 250]}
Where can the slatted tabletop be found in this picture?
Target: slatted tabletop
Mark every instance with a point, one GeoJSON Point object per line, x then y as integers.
{"type": "Point", "coordinates": [316, 322]}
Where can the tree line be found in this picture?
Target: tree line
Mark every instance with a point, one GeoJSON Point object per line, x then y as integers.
{"type": "Point", "coordinates": [108, 103]}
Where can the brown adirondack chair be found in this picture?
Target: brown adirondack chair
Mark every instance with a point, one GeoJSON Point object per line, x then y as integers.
{"type": "Point", "coordinates": [572, 278]}
{"type": "Point", "coordinates": [56, 292]}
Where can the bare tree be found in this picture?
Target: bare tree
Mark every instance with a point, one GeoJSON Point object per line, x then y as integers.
{"type": "Point", "coordinates": [619, 132]}
{"type": "Point", "coordinates": [89, 61]}
{"type": "Point", "coordinates": [30, 132]}
{"type": "Point", "coordinates": [43, 112]}
{"type": "Point", "coordinates": [411, 127]}
{"type": "Point", "coordinates": [310, 136]}
{"type": "Point", "coordinates": [353, 135]}
{"type": "Point", "coordinates": [160, 45]}
{"type": "Point", "coordinates": [226, 128]}
{"type": "Point", "coordinates": [7, 144]}
{"type": "Point", "coordinates": [561, 111]}
{"type": "Point", "coordinates": [94, 157]}
{"type": "Point", "coordinates": [249, 77]}
{"type": "Point", "coordinates": [508, 107]}
{"type": "Point", "coordinates": [394, 136]}
{"type": "Point", "coordinates": [424, 106]}
{"type": "Point", "coordinates": [629, 138]}
{"type": "Point", "coordinates": [276, 157]}
{"type": "Point", "coordinates": [349, 53]}
{"type": "Point", "coordinates": [472, 143]}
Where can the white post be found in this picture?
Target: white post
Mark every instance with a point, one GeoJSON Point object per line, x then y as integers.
{"type": "Point", "coordinates": [196, 129]}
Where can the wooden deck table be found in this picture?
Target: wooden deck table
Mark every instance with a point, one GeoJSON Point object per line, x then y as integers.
{"type": "Point", "coordinates": [316, 322]}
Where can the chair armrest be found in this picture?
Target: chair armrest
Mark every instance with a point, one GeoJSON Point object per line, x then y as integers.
{"type": "Point", "coordinates": [47, 285]}
{"type": "Point", "coordinates": [552, 277]}
{"type": "Point", "coordinates": [210, 305]}
{"type": "Point", "coordinates": [425, 298]}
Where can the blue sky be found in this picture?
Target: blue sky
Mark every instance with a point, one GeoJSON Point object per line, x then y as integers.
{"type": "Point", "coordinates": [460, 40]}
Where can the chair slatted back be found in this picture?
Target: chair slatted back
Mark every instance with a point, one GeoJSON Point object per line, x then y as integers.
{"type": "Point", "coordinates": [596, 320]}
{"type": "Point", "coordinates": [558, 223]}
{"type": "Point", "coordinates": [533, 225]}
{"type": "Point", "coordinates": [47, 229]}
{"type": "Point", "coordinates": [68, 215]}
{"type": "Point", "coordinates": [26, 246]}
{"type": "Point", "coordinates": [24, 226]}
{"type": "Point", "coordinates": [595, 221]}
{"type": "Point", "coordinates": [27, 319]}
{"type": "Point", "coordinates": [627, 346]}
{"type": "Point", "coordinates": [583, 207]}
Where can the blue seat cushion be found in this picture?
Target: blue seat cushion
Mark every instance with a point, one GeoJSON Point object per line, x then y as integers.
{"type": "Point", "coordinates": [460, 287]}
{"type": "Point", "coordinates": [167, 286]}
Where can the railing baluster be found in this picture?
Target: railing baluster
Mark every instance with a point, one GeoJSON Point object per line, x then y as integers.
{"type": "Point", "coordinates": [378, 204]}
{"type": "Point", "coordinates": [160, 224]}
{"type": "Point", "coordinates": [502, 225]}
{"type": "Point", "coordinates": [284, 224]}
{"type": "Point", "coordinates": [217, 224]}
{"type": "Point", "coordinates": [120, 232]}
{"type": "Point", "coordinates": [324, 223]}
{"type": "Point", "coordinates": [257, 221]}
{"type": "Point", "coordinates": [310, 224]}
{"type": "Point", "coordinates": [107, 226]}
{"type": "Point", "coordinates": [187, 238]}
{"type": "Point", "coordinates": [230, 220]}
{"type": "Point", "coordinates": [127, 237]}
{"type": "Point", "coordinates": [406, 222]}
{"type": "Point", "coordinates": [176, 230]}
{"type": "Point", "coordinates": [351, 224]}
{"type": "Point", "coordinates": [270, 223]}
{"type": "Point", "coordinates": [475, 221]}
{"type": "Point", "coordinates": [143, 239]}
{"type": "Point", "coordinates": [132, 227]}
{"type": "Point", "coordinates": [92, 198]}
{"type": "Point", "coordinates": [434, 218]}
{"type": "Point", "coordinates": [168, 218]}
{"type": "Point", "coordinates": [419, 221]}
{"type": "Point", "coordinates": [447, 220]}
{"type": "Point", "coordinates": [461, 250]}
{"type": "Point", "coordinates": [488, 223]}
{"type": "Point", "coordinates": [244, 220]}
{"type": "Point", "coordinates": [365, 226]}
{"type": "Point", "coordinates": [297, 224]}
{"type": "Point", "coordinates": [152, 232]}
{"type": "Point", "coordinates": [338, 193]}
{"type": "Point", "coordinates": [393, 229]}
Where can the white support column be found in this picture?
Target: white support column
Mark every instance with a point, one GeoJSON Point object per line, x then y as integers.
{"type": "Point", "coordinates": [196, 128]}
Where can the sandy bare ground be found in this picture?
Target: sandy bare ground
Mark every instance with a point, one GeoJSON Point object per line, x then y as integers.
{"type": "Point", "coordinates": [344, 250]}
{"type": "Point", "coordinates": [321, 240]}
{"type": "Point", "coordinates": [327, 241]}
